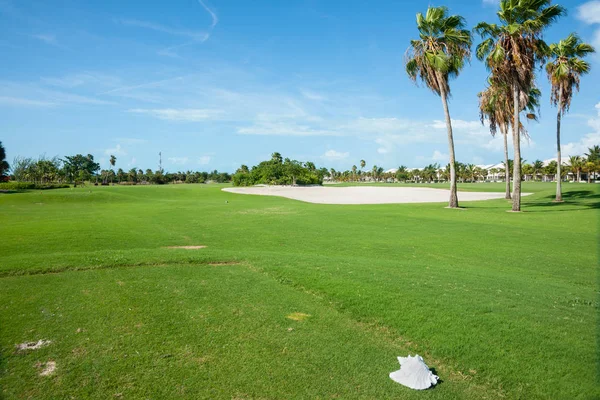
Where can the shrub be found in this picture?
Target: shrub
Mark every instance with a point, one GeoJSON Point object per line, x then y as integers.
{"type": "Point", "coordinates": [31, 186]}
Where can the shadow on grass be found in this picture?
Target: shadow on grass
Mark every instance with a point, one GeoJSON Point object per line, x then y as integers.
{"type": "Point", "coordinates": [575, 200]}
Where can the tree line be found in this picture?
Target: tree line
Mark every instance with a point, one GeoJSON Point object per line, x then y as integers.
{"type": "Point", "coordinates": [512, 50]}
{"type": "Point", "coordinates": [79, 168]}
{"type": "Point", "coordinates": [279, 171]}
{"type": "Point", "coordinates": [588, 164]}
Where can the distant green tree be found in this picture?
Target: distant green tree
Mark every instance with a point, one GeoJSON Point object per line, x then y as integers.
{"type": "Point", "coordinates": [4, 166]}
{"type": "Point", "coordinates": [80, 167]}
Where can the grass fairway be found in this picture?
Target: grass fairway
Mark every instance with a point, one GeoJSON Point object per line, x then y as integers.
{"type": "Point", "coordinates": [296, 300]}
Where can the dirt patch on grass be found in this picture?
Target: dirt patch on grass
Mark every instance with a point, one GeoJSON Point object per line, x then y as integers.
{"type": "Point", "coordinates": [222, 263]}
{"type": "Point", "coordinates": [185, 247]}
{"type": "Point", "coordinates": [298, 316]}
{"type": "Point", "coordinates": [49, 368]}
{"type": "Point", "coordinates": [268, 211]}
{"type": "Point", "coordinates": [33, 345]}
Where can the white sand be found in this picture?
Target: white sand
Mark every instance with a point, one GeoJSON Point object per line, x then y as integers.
{"type": "Point", "coordinates": [364, 194]}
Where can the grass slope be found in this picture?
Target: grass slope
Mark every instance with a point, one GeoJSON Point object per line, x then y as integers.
{"type": "Point", "coordinates": [500, 304]}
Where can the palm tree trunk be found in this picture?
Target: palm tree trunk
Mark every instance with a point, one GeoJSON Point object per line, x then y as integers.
{"type": "Point", "coordinates": [578, 176]}
{"type": "Point", "coordinates": [504, 131]}
{"type": "Point", "coordinates": [453, 202]}
{"type": "Point", "coordinates": [516, 206]}
{"type": "Point", "coordinates": [558, 175]}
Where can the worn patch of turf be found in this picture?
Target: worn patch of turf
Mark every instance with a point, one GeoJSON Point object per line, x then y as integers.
{"type": "Point", "coordinates": [500, 304]}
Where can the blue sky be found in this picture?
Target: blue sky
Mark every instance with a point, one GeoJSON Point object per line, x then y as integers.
{"type": "Point", "coordinates": [213, 84]}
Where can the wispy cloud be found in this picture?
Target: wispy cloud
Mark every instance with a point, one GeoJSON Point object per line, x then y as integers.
{"type": "Point", "coordinates": [131, 141]}
{"type": "Point", "coordinates": [334, 155]}
{"type": "Point", "coordinates": [215, 19]}
{"type": "Point", "coordinates": [46, 38]}
{"type": "Point", "coordinates": [312, 95]}
{"type": "Point", "coordinates": [184, 114]}
{"type": "Point", "coordinates": [195, 35]}
{"type": "Point", "coordinates": [18, 101]}
{"type": "Point", "coordinates": [115, 151]}
{"type": "Point", "coordinates": [143, 85]}
{"type": "Point", "coordinates": [204, 160]}
{"type": "Point", "coordinates": [178, 160]}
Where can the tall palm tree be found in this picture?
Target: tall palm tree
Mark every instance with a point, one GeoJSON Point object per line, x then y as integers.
{"type": "Point", "coordinates": [362, 164]}
{"type": "Point", "coordinates": [438, 55]}
{"type": "Point", "coordinates": [354, 171]}
{"type": "Point", "coordinates": [495, 106]}
{"type": "Point", "coordinates": [511, 51]}
{"type": "Point", "coordinates": [564, 72]}
{"type": "Point", "coordinates": [576, 163]}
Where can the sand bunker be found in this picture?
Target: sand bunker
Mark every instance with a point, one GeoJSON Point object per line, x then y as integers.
{"type": "Point", "coordinates": [186, 247]}
{"type": "Point", "coordinates": [364, 194]}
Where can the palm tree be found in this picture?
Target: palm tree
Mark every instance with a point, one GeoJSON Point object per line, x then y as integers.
{"type": "Point", "coordinates": [4, 167]}
{"type": "Point", "coordinates": [589, 167]}
{"type": "Point", "coordinates": [576, 163]}
{"type": "Point", "coordinates": [495, 106]}
{"type": "Point", "coordinates": [538, 166]}
{"type": "Point", "coordinates": [374, 172]}
{"type": "Point", "coordinates": [564, 72]}
{"type": "Point", "coordinates": [362, 164]}
{"type": "Point", "coordinates": [593, 154]}
{"type": "Point", "coordinates": [354, 171]}
{"type": "Point", "coordinates": [511, 51]}
{"type": "Point", "coordinates": [440, 54]}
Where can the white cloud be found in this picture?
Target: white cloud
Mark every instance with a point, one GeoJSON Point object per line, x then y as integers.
{"type": "Point", "coordinates": [178, 160]}
{"type": "Point", "coordinates": [436, 157]}
{"type": "Point", "coordinates": [589, 12]}
{"type": "Point", "coordinates": [439, 156]}
{"type": "Point", "coordinates": [132, 162]}
{"type": "Point", "coordinates": [333, 155]}
{"type": "Point", "coordinates": [491, 2]}
{"type": "Point", "coordinates": [204, 160]}
{"type": "Point", "coordinates": [116, 151]}
{"type": "Point", "coordinates": [587, 141]}
{"type": "Point", "coordinates": [182, 114]}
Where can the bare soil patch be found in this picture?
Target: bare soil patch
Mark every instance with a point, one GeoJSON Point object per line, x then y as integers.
{"type": "Point", "coordinates": [185, 247]}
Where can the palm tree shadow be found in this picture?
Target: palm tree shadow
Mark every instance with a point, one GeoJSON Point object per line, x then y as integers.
{"type": "Point", "coordinates": [576, 200]}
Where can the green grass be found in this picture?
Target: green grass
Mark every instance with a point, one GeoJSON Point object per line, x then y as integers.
{"type": "Point", "coordinates": [500, 304]}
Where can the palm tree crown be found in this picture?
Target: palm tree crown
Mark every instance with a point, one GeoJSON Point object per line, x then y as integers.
{"type": "Point", "coordinates": [512, 49]}
{"type": "Point", "coordinates": [565, 69]}
{"type": "Point", "coordinates": [441, 50]}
